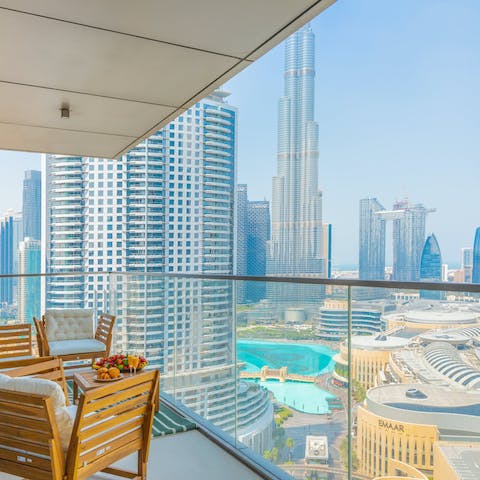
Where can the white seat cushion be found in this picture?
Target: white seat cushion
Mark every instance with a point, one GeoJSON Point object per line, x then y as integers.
{"type": "Point", "coordinates": [42, 386]}
{"type": "Point", "coordinates": [70, 347]}
{"type": "Point", "coordinates": [66, 324]}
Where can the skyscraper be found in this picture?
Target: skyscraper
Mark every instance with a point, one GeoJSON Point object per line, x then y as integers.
{"type": "Point", "coordinates": [476, 257]}
{"type": "Point", "coordinates": [11, 233]}
{"type": "Point", "coordinates": [467, 264]}
{"type": "Point", "coordinates": [431, 266]}
{"type": "Point", "coordinates": [32, 204]}
{"type": "Point", "coordinates": [258, 234]}
{"type": "Point", "coordinates": [252, 234]}
{"type": "Point", "coordinates": [6, 258]}
{"type": "Point", "coordinates": [241, 227]}
{"type": "Point", "coordinates": [296, 244]}
{"type": "Point", "coordinates": [28, 287]}
{"type": "Point", "coordinates": [408, 238]}
{"type": "Point", "coordinates": [166, 206]}
{"type": "Point", "coordinates": [372, 240]}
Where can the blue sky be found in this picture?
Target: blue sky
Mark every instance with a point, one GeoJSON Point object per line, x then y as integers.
{"type": "Point", "coordinates": [398, 110]}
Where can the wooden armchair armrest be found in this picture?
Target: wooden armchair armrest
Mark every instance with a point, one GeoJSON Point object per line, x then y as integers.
{"type": "Point", "coordinates": [104, 330]}
{"type": "Point", "coordinates": [42, 342]}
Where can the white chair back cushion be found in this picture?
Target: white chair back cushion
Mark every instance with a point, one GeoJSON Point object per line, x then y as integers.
{"type": "Point", "coordinates": [42, 386]}
{"type": "Point", "coordinates": [68, 324]}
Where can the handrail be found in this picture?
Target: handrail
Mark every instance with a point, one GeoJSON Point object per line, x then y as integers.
{"type": "Point", "coordinates": [389, 284]}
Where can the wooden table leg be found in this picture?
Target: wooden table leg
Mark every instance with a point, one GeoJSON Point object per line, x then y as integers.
{"type": "Point", "coordinates": [75, 393]}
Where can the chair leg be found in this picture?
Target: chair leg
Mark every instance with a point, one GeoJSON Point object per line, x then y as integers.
{"type": "Point", "coordinates": [142, 465]}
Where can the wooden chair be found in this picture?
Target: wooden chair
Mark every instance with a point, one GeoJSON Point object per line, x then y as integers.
{"type": "Point", "coordinates": [15, 341]}
{"type": "Point", "coordinates": [50, 368]}
{"type": "Point", "coordinates": [68, 334]}
{"type": "Point", "coordinates": [112, 422]}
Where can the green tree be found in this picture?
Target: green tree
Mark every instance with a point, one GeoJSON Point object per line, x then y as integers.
{"type": "Point", "coordinates": [289, 443]}
{"type": "Point", "coordinates": [274, 454]}
{"type": "Point", "coordinates": [344, 455]}
{"type": "Point", "coordinates": [267, 455]}
{"type": "Point", "coordinates": [358, 391]}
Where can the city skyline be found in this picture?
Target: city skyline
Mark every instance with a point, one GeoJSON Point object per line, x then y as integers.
{"type": "Point", "coordinates": [373, 141]}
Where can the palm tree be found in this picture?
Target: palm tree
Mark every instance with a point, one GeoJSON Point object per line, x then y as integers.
{"type": "Point", "coordinates": [274, 454]}
{"type": "Point", "coordinates": [289, 443]}
{"type": "Point", "coordinates": [267, 455]}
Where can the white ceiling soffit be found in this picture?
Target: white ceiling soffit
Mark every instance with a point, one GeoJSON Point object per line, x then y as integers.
{"type": "Point", "coordinates": [124, 68]}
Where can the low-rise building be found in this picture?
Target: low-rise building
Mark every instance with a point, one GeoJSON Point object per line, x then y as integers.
{"type": "Point", "coordinates": [402, 423]}
{"type": "Point", "coordinates": [456, 461]}
{"type": "Point", "coordinates": [370, 356]}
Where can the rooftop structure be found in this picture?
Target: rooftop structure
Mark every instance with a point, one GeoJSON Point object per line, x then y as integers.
{"type": "Point", "coordinates": [453, 336]}
{"type": "Point", "coordinates": [453, 412]}
{"type": "Point", "coordinates": [457, 461]}
{"type": "Point", "coordinates": [316, 448]}
{"type": "Point", "coordinates": [433, 314]}
{"type": "Point", "coordinates": [332, 319]}
{"type": "Point", "coordinates": [403, 423]}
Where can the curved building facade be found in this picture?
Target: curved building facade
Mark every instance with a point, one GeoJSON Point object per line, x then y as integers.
{"type": "Point", "coordinates": [165, 207]}
{"type": "Point", "coordinates": [425, 316]}
{"type": "Point", "coordinates": [332, 320]}
{"type": "Point", "coordinates": [431, 266]}
{"type": "Point", "coordinates": [402, 423]}
{"type": "Point", "coordinates": [370, 356]}
{"type": "Point", "coordinates": [446, 360]}
{"type": "Point", "coordinates": [431, 260]}
{"type": "Point", "coordinates": [63, 230]}
{"type": "Point", "coordinates": [476, 257]}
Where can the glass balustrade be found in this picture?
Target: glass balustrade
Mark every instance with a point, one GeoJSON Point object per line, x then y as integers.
{"type": "Point", "coordinates": [323, 379]}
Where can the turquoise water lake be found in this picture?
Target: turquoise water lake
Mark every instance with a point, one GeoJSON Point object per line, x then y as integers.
{"type": "Point", "coordinates": [304, 359]}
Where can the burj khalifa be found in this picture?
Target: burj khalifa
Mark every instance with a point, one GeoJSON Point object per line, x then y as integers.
{"type": "Point", "coordinates": [298, 245]}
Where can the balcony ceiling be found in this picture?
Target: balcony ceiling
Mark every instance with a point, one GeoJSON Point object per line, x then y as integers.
{"type": "Point", "coordinates": [124, 68]}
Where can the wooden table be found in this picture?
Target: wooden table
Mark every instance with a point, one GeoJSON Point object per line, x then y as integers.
{"type": "Point", "coordinates": [85, 381]}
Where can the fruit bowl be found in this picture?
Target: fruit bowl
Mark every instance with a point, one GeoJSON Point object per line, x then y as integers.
{"type": "Point", "coordinates": [122, 362]}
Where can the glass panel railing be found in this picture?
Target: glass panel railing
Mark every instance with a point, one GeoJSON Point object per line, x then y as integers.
{"type": "Point", "coordinates": [184, 327]}
{"type": "Point", "coordinates": [416, 384]}
{"type": "Point", "coordinates": [323, 379]}
{"type": "Point", "coordinates": [292, 403]}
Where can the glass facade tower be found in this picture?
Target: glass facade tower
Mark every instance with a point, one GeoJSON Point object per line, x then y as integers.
{"type": "Point", "coordinates": [165, 207]}
{"type": "Point", "coordinates": [11, 233]}
{"type": "Point", "coordinates": [258, 234]}
{"type": "Point", "coordinates": [28, 287]}
{"type": "Point", "coordinates": [408, 238]}
{"type": "Point", "coordinates": [32, 204]}
{"type": "Point", "coordinates": [431, 261]}
{"type": "Point", "coordinates": [372, 240]}
{"type": "Point", "coordinates": [467, 264]}
{"type": "Point", "coordinates": [296, 244]}
{"type": "Point", "coordinates": [241, 239]}
{"type": "Point", "coordinates": [476, 257]}
{"type": "Point", "coordinates": [431, 267]}
{"type": "Point", "coordinates": [252, 235]}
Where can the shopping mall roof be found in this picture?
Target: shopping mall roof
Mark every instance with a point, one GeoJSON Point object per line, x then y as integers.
{"type": "Point", "coordinates": [94, 78]}
{"type": "Point", "coordinates": [424, 397]}
{"type": "Point", "coordinates": [463, 458]}
{"type": "Point", "coordinates": [378, 341]}
{"type": "Point", "coordinates": [457, 336]}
